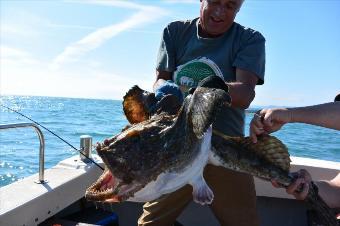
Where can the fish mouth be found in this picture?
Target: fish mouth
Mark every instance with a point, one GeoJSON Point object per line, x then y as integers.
{"type": "Point", "coordinates": [104, 189]}
{"type": "Point", "coordinates": [109, 188]}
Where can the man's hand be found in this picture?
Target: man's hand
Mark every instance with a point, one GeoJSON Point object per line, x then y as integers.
{"type": "Point", "coordinates": [267, 121]}
{"type": "Point", "coordinates": [166, 88]}
{"type": "Point", "coordinates": [214, 82]}
{"type": "Point", "coordinates": [169, 104]}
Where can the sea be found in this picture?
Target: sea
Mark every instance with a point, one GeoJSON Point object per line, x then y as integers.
{"type": "Point", "coordinates": [71, 118]}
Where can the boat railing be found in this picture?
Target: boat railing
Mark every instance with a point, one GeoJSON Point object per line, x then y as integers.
{"type": "Point", "coordinates": [41, 148]}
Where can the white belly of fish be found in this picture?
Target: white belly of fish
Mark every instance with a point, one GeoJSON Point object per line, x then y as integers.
{"type": "Point", "coordinates": [171, 181]}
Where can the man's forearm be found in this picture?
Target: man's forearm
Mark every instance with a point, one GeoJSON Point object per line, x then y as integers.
{"type": "Point", "coordinates": [157, 83]}
{"type": "Point", "coordinates": [241, 94]}
{"type": "Point", "coordinates": [161, 77]}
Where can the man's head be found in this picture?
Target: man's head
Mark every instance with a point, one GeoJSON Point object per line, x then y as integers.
{"type": "Point", "coordinates": [217, 16]}
{"type": "Point", "coordinates": [337, 98]}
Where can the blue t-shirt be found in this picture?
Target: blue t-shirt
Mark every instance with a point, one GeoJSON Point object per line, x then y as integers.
{"type": "Point", "coordinates": [239, 47]}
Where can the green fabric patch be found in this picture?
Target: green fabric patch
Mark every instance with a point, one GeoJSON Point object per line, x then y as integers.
{"type": "Point", "coordinates": [191, 73]}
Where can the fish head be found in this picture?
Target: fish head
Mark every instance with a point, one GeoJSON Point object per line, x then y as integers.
{"type": "Point", "coordinates": [131, 164]}
{"type": "Point", "coordinates": [119, 180]}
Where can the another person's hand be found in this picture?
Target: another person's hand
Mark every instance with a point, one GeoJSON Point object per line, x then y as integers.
{"type": "Point", "coordinates": [300, 187]}
{"type": "Point", "coordinates": [267, 121]}
{"type": "Point", "coordinates": [166, 88]}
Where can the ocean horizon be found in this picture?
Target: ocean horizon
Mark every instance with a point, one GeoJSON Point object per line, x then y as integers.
{"type": "Point", "coordinates": [102, 118]}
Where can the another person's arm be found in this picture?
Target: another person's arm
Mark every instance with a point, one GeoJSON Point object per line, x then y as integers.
{"type": "Point", "coordinates": [271, 120]}
{"type": "Point", "coordinates": [329, 191]}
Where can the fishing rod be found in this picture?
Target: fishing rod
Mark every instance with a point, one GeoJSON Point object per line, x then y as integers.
{"type": "Point", "coordinates": [53, 133]}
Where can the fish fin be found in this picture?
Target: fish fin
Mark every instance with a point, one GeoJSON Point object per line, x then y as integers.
{"type": "Point", "coordinates": [126, 127]}
{"type": "Point", "coordinates": [267, 147]}
{"type": "Point", "coordinates": [201, 192]}
{"type": "Point", "coordinates": [137, 104]}
{"type": "Point", "coordinates": [203, 107]}
{"type": "Point", "coordinates": [169, 104]}
{"type": "Point", "coordinates": [106, 168]}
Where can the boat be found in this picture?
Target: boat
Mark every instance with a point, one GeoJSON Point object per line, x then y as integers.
{"type": "Point", "coordinates": [55, 196]}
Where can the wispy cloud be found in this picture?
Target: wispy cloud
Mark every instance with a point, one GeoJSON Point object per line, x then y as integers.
{"type": "Point", "coordinates": [24, 24]}
{"type": "Point", "coordinates": [9, 55]}
{"type": "Point", "coordinates": [118, 3]}
{"type": "Point", "coordinates": [21, 23]}
{"type": "Point", "coordinates": [97, 38]}
{"type": "Point", "coordinates": [181, 1]}
{"type": "Point", "coordinates": [70, 26]}
{"type": "Point", "coordinates": [100, 84]}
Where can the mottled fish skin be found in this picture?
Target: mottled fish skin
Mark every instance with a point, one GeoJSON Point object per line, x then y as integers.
{"type": "Point", "coordinates": [163, 143]}
{"type": "Point", "coordinates": [267, 159]}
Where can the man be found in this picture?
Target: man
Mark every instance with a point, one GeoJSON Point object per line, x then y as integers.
{"type": "Point", "coordinates": [239, 54]}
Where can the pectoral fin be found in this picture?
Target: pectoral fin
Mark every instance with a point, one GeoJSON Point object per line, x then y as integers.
{"type": "Point", "coordinates": [137, 104]}
{"type": "Point", "coordinates": [202, 194]}
{"type": "Point", "coordinates": [203, 107]}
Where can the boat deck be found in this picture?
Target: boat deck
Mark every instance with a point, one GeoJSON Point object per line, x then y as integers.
{"type": "Point", "coordinates": [272, 211]}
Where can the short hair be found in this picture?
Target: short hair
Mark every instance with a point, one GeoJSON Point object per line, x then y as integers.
{"type": "Point", "coordinates": [337, 98]}
{"type": "Point", "coordinates": [241, 2]}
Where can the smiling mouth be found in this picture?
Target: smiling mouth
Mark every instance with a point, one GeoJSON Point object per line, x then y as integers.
{"type": "Point", "coordinates": [215, 20]}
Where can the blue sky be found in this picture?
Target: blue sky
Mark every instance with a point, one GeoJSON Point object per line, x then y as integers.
{"type": "Point", "coordinates": [99, 49]}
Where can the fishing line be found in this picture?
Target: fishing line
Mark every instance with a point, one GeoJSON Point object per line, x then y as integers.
{"type": "Point", "coordinates": [53, 133]}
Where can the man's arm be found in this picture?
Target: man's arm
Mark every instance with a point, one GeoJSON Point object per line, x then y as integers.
{"type": "Point", "coordinates": [161, 77]}
{"type": "Point", "coordinates": [242, 91]}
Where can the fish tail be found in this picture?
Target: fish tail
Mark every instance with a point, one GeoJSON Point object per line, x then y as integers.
{"type": "Point", "coordinates": [326, 215]}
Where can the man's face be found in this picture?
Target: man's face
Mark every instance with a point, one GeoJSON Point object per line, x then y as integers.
{"type": "Point", "coordinates": [217, 16]}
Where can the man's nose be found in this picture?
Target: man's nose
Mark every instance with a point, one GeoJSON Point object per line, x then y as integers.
{"type": "Point", "coordinates": [220, 10]}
